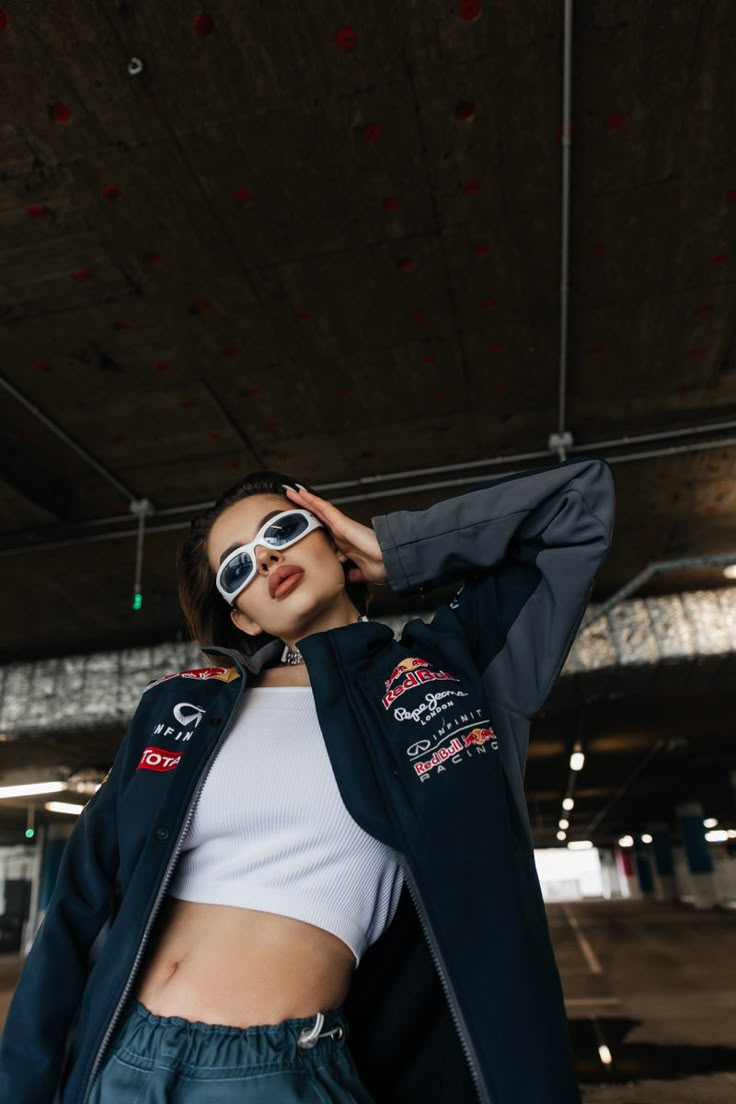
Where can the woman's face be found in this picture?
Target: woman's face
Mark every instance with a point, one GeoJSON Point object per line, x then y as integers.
{"type": "Point", "coordinates": [318, 588]}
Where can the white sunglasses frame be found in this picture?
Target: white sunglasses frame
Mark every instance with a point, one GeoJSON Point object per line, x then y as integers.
{"type": "Point", "coordinates": [313, 523]}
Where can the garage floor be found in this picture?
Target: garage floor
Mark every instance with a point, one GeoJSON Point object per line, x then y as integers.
{"type": "Point", "coordinates": [653, 982]}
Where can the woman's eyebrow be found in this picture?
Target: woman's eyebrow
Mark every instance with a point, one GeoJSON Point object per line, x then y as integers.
{"type": "Point", "coordinates": [260, 523]}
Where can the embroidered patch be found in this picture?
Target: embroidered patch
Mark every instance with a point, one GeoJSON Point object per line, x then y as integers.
{"type": "Point", "coordinates": [159, 759]}
{"type": "Point", "coordinates": [412, 671]}
{"type": "Point", "coordinates": [222, 674]}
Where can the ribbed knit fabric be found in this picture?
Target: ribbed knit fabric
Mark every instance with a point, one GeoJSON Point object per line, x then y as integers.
{"type": "Point", "coordinates": [270, 830]}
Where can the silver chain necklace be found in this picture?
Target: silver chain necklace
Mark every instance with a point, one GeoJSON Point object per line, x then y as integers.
{"type": "Point", "coordinates": [292, 658]}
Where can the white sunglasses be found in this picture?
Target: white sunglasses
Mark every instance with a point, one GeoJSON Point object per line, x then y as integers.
{"type": "Point", "coordinates": [239, 568]}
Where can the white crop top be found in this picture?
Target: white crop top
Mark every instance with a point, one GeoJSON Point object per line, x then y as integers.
{"type": "Point", "coordinates": [270, 830]}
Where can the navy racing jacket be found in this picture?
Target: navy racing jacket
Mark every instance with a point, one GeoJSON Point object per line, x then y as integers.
{"type": "Point", "coordinates": [459, 1000]}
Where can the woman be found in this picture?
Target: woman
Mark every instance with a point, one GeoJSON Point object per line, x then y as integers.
{"type": "Point", "coordinates": [254, 837]}
{"type": "Point", "coordinates": [229, 965]}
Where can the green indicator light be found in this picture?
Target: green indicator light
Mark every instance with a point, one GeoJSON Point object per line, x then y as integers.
{"type": "Point", "coordinates": [137, 601]}
{"type": "Point", "coordinates": [30, 833]}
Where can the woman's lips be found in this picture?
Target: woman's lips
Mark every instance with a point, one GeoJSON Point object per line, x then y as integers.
{"type": "Point", "coordinates": [288, 584]}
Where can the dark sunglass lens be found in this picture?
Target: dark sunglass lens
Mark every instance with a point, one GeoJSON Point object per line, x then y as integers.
{"type": "Point", "coordinates": [286, 528]}
{"type": "Point", "coordinates": [236, 572]}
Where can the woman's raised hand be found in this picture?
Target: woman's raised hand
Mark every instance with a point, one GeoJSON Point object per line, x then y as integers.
{"type": "Point", "coordinates": [358, 542]}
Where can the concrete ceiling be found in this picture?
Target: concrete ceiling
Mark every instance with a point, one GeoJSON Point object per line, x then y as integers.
{"type": "Point", "coordinates": [329, 241]}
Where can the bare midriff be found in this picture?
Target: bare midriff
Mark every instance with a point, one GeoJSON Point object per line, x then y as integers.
{"type": "Point", "coordinates": [222, 964]}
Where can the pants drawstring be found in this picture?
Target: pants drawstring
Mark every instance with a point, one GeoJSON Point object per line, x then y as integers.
{"type": "Point", "coordinates": [309, 1037]}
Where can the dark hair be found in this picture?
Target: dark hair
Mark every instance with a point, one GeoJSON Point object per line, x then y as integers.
{"type": "Point", "coordinates": [206, 613]}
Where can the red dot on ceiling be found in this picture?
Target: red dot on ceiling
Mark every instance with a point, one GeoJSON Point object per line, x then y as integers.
{"type": "Point", "coordinates": [83, 274]}
{"type": "Point", "coordinates": [371, 132]}
{"type": "Point", "coordinates": [303, 316]}
{"type": "Point", "coordinates": [214, 436]}
{"type": "Point", "coordinates": [346, 38]}
{"type": "Point", "coordinates": [187, 403]}
{"type": "Point", "coordinates": [201, 306]}
{"type": "Point", "coordinates": [121, 325]}
{"type": "Point", "coordinates": [204, 25]}
{"type": "Point", "coordinates": [470, 10]}
{"type": "Point", "coordinates": [42, 365]}
{"type": "Point", "coordinates": [271, 423]}
{"type": "Point", "coordinates": [481, 249]}
{"type": "Point", "coordinates": [60, 113]}
{"type": "Point", "coordinates": [614, 121]}
{"type": "Point", "coordinates": [704, 308]}
{"type": "Point", "coordinates": [159, 366]}
{"type": "Point", "coordinates": [391, 204]}
{"type": "Point", "coordinates": [110, 191]}
{"type": "Point", "coordinates": [418, 316]}
{"type": "Point", "coordinates": [152, 258]}
{"type": "Point", "coordinates": [495, 348]}
{"type": "Point", "coordinates": [231, 353]}
{"type": "Point", "coordinates": [243, 195]}
{"type": "Point", "coordinates": [718, 259]}
{"type": "Point", "coordinates": [3, 20]}
{"type": "Point", "coordinates": [429, 358]}
{"type": "Point", "coordinates": [472, 187]}
{"type": "Point", "coordinates": [37, 211]}
{"type": "Point", "coordinates": [465, 110]}
{"type": "Point", "coordinates": [489, 302]}
{"type": "Point", "coordinates": [407, 264]}
{"type": "Point", "coordinates": [252, 392]}
{"type": "Point", "coordinates": [598, 250]}
{"type": "Point", "coordinates": [692, 353]}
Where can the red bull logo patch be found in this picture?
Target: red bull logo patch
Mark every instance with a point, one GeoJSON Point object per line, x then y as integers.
{"type": "Point", "coordinates": [222, 674]}
{"type": "Point", "coordinates": [479, 736]}
{"type": "Point", "coordinates": [159, 759]}
{"type": "Point", "coordinates": [412, 671]}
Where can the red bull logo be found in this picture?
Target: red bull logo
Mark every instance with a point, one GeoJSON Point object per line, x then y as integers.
{"type": "Point", "coordinates": [159, 759]}
{"type": "Point", "coordinates": [409, 664]}
{"type": "Point", "coordinates": [479, 736]}
{"type": "Point", "coordinates": [222, 674]}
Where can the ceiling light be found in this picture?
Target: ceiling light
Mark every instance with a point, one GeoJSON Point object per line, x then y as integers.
{"type": "Point", "coordinates": [577, 759]}
{"type": "Point", "coordinates": [716, 836]}
{"type": "Point", "coordinates": [646, 838]}
{"type": "Point", "coordinates": [564, 823]}
{"type": "Point", "coordinates": [730, 571]}
{"type": "Point", "coordinates": [604, 1054]}
{"type": "Point", "coordinates": [568, 804]}
{"type": "Point", "coordinates": [626, 841]}
{"type": "Point", "coordinates": [63, 807]}
{"type": "Point", "coordinates": [562, 835]}
{"type": "Point", "coordinates": [711, 822]}
{"type": "Point", "coordinates": [580, 845]}
{"type": "Point", "coordinates": [27, 790]}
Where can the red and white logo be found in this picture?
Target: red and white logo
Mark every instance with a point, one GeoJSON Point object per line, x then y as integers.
{"type": "Point", "coordinates": [159, 759]}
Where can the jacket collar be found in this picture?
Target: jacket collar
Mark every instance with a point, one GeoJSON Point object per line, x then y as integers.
{"type": "Point", "coordinates": [357, 640]}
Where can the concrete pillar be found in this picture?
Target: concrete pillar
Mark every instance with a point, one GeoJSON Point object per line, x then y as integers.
{"type": "Point", "coordinates": [643, 868]}
{"type": "Point", "coordinates": [625, 866]}
{"type": "Point", "coordinates": [664, 864]}
{"type": "Point", "coordinates": [698, 854]}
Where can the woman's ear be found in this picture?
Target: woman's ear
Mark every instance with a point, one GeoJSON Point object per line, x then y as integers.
{"type": "Point", "coordinates": [245, 624]}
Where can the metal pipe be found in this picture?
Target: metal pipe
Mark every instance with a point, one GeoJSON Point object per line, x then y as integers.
{"type": "Point", "coordinates": [565, 263]}
{"type": "Point", "coordinates": [67, 439]}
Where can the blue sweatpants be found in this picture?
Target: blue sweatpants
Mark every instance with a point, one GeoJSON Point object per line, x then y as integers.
{"type": "Point", "coordinates": [169, 1060]}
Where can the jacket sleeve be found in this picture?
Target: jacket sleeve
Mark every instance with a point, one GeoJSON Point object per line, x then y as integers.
{"type": "Point", "coordinates": [528, 547]}
{"type": "Point", "coordinates": [51, 983]}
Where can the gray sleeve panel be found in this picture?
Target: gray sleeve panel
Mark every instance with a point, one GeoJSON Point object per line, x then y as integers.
{"type": "Point", "coordinates": [527, 547]}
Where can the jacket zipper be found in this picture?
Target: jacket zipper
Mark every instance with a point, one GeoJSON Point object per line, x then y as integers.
{"type": "Point", "coordinates": [459, 1020]}
{"type": "Point", "coordinates": [162, 888]}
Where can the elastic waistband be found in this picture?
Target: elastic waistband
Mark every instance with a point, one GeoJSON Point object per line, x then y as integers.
{"type": "Point", "coordinates": [300, 1040]}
